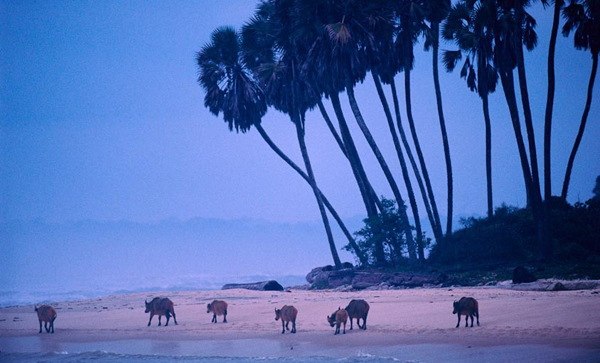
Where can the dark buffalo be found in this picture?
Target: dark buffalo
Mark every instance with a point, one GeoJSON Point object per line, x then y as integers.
{"type": "Point", "coordinates": [466, 306]}
{"type": "Point", "coordinates": [46, 314]}
{"type": "Point", "coordinates": [160, 306]}
{"type": "Point", "coordinates": [358, 309]}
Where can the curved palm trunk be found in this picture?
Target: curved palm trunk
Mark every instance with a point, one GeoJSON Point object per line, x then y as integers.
{"type": "Point", "coordinates": [386, 170]}
{"type": "Point", "coordinates": [313, 184]}
{"type": "Point", "coordinates": [586, 111]}
{"type": "Point", "coordinates": [371, 200]}
{"type": "Point", "coordinates": [367, 184]}
{"type": "Point", "coordinates": [413, 131]}
{"type": "Point", "coordinates": [550, 101]}
{"type": "Point", "coordinates": [488, 155]}
{"type": "Point", "coordinates": [435, 27]}
{"type": "Point", "coordinates": [436, 228]}
{"type": "Point", "coordinates": [405, 174]}
{"type": "Point", "coordinates": [333, 212]}
{"type": "Point", "coordinates": [332, 129]}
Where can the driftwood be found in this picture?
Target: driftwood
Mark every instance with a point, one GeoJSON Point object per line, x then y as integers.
{"type": "Point", "coordinates": [271, 285]}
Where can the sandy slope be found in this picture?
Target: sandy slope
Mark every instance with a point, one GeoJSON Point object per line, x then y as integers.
{"type": "Point", "coordinates": [397, 317]}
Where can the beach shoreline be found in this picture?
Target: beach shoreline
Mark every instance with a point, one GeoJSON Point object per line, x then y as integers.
{"type": "Point", "coordinates": [414, 323]}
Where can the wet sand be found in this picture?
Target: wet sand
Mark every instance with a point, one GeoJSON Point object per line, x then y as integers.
{"type": "Point", "coordinates": [408, 324]}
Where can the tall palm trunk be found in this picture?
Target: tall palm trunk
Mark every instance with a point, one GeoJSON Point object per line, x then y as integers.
{"type": "Point", "coordinates": [586, 111]}
{"type": "Point", "coordinates": [386, 170]}
{"type": "Point", "coordinates": [506, 77]}
{"type": "Point", "coordinates": [435, 28]}
{"type": "Point", "coordinates": [482, 70]}
{"type": "Point", "coordinates": [284, 157]}
{"type": "Point", "coordinates": [413, 131]}
{"type": "Point", "coordinates": [340, 143]}
{"type": "Point", "coordinates": [436, 228]}
{"type": "Point", "coordinates": [488, 154]}
{"type": "Point", "coordinates": [300, 133]}
{"type": "Point", "coordinates": [527, 112]}
{"type": "Point", "coordinates": [550, 102]}
{"type": "Point", "coordinates": [539, 212]}
{"type": "Point", "coordinates": [405, 174]}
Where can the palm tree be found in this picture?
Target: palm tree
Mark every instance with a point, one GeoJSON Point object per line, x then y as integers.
{"type": "Point", "coordinates": [583, 18]}
{"type": "Point", "coordinates": [288, 91]}
{"type": "Point", "coordinates": [411, 20]}
{"type": "Point", "coordinates": [232, 90]}
{"type": "Point", "coordinates": [469, 27]}
{"type": "Point", "coordinates": [381, 62]}
{"type": "Point", "coordinates": [513, 29]}
{"type": "Point", "coordinates": [336, 36]}
{"type": "Point", "coordinates": [558, 4]}
{"type": "Point", "coordinates": [436, 12]}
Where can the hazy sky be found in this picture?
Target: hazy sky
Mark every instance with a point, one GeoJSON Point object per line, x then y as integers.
{"type": "Point", "coordinates": [102, 119]}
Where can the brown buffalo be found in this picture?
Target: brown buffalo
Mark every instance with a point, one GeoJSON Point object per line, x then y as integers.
{"type": "Point", "coordinates": [217, 307]}
{"type": "Point", "coordinates": [46, 314]}
{"type": "Point", "coordinates": [160, 306]}
{"type": "Point", "coordinates": [358, 309]}
{"type": "Point", "coordinates": [338, 318]}
{"type": "Point", "coordinates": [287, 313]}
{"type": "Point", "coordinates": [466, 306]}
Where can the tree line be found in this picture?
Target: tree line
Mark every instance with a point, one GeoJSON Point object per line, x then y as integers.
{"type": "Point", "coordinates": [296, 55]}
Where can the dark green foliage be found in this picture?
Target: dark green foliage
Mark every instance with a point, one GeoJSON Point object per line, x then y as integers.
{"type": "Point", "coordinates": [509, 237]}
{"type": "Point", "coordinates": [385, 231]}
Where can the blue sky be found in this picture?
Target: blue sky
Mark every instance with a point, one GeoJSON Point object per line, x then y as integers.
{"type": "Point", "coordinates": [102, 120]}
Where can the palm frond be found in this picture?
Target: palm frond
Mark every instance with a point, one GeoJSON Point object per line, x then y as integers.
{"type": "Point", "coordinates": [450, 58]}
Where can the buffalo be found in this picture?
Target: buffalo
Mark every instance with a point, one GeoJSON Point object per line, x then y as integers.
{"type": "Point", "coordinates": [160, 306]}
{"type": "Point", "coordinates": [46, 314]}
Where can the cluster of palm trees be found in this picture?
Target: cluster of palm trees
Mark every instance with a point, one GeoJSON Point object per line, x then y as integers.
{"type": "Point", "coordinates": [294, 55]}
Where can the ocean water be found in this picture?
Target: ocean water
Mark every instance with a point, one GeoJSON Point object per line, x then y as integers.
{"type": "Point", "coordinates": [89, 287]}
{"type": "Point", "coordinates": [107, 357]}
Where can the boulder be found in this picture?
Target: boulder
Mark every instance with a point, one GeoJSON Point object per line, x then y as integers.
{"type": "Point", "coordinates": [271, 285]}
{"type": "Point", "coordinates": [522, 275]}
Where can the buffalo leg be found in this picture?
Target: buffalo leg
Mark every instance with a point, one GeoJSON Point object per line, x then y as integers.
{"type": "Point", "coordinates": [168, 317]}
{"type": "Point", "coordinates": [40, 326]}
{"type": "Point", "coordinates": [282, 327]}
{"type": "Point", "coordinates": [471, 315]}
{"type": "Point", "coordinates": [351, 323]}
{"type": "Point", "coordinates": [294, 326]}
{"type": "Point", "coordinates": [344, 327]}
{"type": "Point", "coordinates": [458, 324]}
{"type": "Point", "coordinates": [52, 325]}
{"type": "Point", "coordinates": [466, 321]}
{"type": "Point", "coordinates": [225, 316]}
{"type": "Point", "coordinates": [150, 321]}
{"type": "Point", "coordinates": [46, 327]}
{"type": "Point", "coordinates": [365, 323]}
{"type": "Point", "coordinates": [174, 318]}
{"type": "Point", "coordinates": [477, 312]}
{"type": "Point", "coordinates": [159, 317]}
{"type": "Point", "coordinates": [287, 325]}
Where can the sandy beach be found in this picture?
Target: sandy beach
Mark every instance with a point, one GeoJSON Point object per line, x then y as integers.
{"type": "Point", "coordinates": [415, 324]}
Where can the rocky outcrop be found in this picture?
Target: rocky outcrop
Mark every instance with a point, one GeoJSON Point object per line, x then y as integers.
{"type": "Point", "coordinates": [552, 285]}
{"type": "Point", "coordinates": [271, 285]}
{"type": "Point", "coordinates": [327, 278]}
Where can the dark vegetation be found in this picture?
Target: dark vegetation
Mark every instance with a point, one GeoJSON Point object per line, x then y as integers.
{"type": "Point", "coordinates": [487, 249]}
